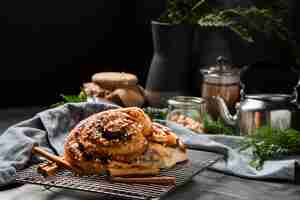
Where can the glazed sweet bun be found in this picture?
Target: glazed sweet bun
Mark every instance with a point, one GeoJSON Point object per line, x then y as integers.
{"type": "Point", "coordinates": [123, 141]}
{"type": "Point", "coordinates": [164, 151]}
{"type": "Point", "coordinates": [117, 134]}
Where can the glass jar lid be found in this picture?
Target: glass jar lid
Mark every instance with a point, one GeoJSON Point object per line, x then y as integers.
{"type": "Point", "coordinates": [186, 101]}
{"type": "Point", "coordinates": [221, 73]}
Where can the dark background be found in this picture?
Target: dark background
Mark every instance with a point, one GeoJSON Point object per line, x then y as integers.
{"type": "Point", "coordinates": [50, 48]}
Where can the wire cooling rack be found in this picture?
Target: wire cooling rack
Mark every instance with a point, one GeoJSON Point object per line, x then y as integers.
{"type": "Point", "coordinates": [183, 172]}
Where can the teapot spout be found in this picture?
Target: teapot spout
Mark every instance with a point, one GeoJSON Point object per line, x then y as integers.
{"type": "Point", "coordinates": [224, 113]}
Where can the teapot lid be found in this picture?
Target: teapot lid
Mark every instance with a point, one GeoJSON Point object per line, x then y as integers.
{"type": "Point", "coordinates": [268, 102]}
{"type": "Point", "coordinates": [279, 98]}
{"type": "Point", "coordinates": [221, 73]}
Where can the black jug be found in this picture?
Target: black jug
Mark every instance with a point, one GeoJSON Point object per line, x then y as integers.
{"type": "Point", "coordinates": [169, 72]}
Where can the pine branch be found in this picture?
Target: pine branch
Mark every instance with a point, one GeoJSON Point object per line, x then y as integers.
{"type": "Point", "coordinates": [269, 18]}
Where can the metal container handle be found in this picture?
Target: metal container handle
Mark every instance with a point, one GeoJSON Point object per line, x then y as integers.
{"type": "Point", "coordinates": [242, 84]}
{"type": "Point", "coordinates": [295, 93]}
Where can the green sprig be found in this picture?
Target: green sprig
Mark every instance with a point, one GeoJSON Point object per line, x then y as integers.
{"type": "Point", "coordinates": [156, 113]}
{"type": "Point", "coordinates": [81, 97]}
{"type": "Point", "coordinates": [269, 18]}
{"type": "Point", "coordinates": [271, 143]}
{"type": "Point", "coordinates": [216, 127]}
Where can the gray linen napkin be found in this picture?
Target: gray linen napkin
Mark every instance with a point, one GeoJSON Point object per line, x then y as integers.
{"type": "Point", "coordinates": [235, 162]}
{"type": "Point", "coordinates": [49, 129]}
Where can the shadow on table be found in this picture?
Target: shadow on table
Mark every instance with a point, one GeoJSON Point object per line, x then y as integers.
{"type": "Point", "coordinates": [10, 186]}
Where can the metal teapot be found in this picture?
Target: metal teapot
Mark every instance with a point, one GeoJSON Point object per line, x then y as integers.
{"type": "Point", "coordinates": [257, 110]}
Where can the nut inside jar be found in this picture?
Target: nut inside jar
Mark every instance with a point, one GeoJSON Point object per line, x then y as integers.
{"type": "Point", "coordinates": [187, 111]}
{"type": "Point", "coordinates": [187, 122]}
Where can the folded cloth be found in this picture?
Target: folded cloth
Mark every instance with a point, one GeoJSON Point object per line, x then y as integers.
{"type": "Point", "coordinates": [236, 162]}
{"type": "Point", "coordinates": [48, 129]}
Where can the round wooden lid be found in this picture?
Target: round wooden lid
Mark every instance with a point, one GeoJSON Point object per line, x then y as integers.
{"type": "Point", "coordinates": [112, 80]}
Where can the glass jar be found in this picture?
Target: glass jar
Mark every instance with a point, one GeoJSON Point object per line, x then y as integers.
{"type": "Point", "coordinates": [187, 111]}
{"type": "Point", "coordinates": [221, 80]}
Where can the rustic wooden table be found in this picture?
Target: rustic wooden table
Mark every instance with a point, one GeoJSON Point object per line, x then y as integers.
{"type": "Point", "coordinates": [208, 185]}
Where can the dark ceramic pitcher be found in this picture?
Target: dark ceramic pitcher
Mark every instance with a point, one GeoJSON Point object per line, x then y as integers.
{"type": "Point", "coordinates": [169, 72]}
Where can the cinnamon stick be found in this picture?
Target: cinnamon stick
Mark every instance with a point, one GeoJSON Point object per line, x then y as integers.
{"type": "Point", "coordinates": [58, 160]}
{"type": "Point", "coordinates": [163, 180]}
{"type": "Point", "coordinates": [48, 169]}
